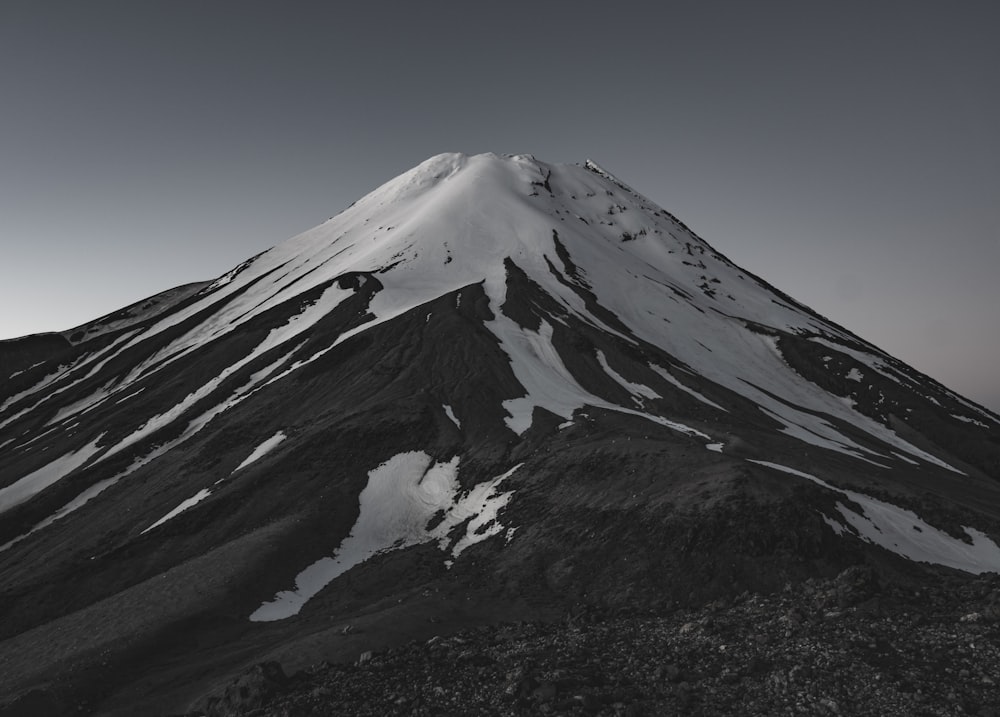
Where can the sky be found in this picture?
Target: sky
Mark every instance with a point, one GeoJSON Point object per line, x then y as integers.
{"type": "Point", "coordinates": [848, 152]}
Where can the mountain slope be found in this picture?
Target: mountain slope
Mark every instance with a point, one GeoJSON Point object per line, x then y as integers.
{"type": "Point", "coordinates": [491, 377]}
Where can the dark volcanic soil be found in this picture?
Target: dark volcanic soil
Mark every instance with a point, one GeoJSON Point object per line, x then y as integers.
{"type": "Point", "coordinates": [845, 646]}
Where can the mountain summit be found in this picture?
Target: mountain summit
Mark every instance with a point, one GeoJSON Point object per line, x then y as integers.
{"type": "Point", "coordinates": [492, 389]}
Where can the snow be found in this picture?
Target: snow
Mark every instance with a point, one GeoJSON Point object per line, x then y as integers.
{"type": "Point", "coordinates": [38, 480]}
{"type": "Point", "coordinates": [480, 507]}
{"type": "Point", "coordinates": [36, 437]}
{"type": "Point", "coordinates": [184, 505]}
{"type": "Point", "coordinates": [540, 370]}
{"type": "Point", "coordinates": [636, 389]}
{"type": "Point", "coordinates": [854, 375]}
{"type": "Point", "coordinates": [440, 204]}
{"type": "Point", "coordinates": [232, 315]}
{"type": "Point", "coordinates": [669, 377]}
{"type": "Point", "coordinates": [134, 393]}
{"type": "Point", "coordinates": [905, 458]}
{"type": "Point", "coordinates": [549, 384]}
{"type": "Point", "coordinates": [875, 362]}
{"type": "Point", "coordinates": [402, 496]}
{"type": "Point", "coordinates": [451, 415]}
{"type": "Point", "coordinates": [966, 419]}
{"type": "Point", "coordinates": [107, 353]}
{"type": "Point", "coordinates": [665, 287]}
{"type": "Point", "coordinates": [239, 311]}
{"type": "Point", "coordinates": [818, 432]}
{"type": "Point", "coordinates": [904, 533]}
{"type": "Point", "coordinates": [25, 370]}
{"type": "Point", "coordinates": [44, 382]}
{"type": "Point", "coordinates": [93, 491]}
{"type": "Point", "coordinates": [84, 497]}
{"type": "Point", "coordinates": [427, 208]}
{"type": "Point", "coordinates": [279, 336]}
{"type": "Point", "coordinates": [973, 407]}
{"type": "Point", "coordinates": [262, 449]}
{"type": "Point", "coordinates": [194, 425]}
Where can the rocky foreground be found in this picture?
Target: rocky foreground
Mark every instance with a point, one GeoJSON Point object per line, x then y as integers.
{"type": "Point", "coordinates": [845, 646]}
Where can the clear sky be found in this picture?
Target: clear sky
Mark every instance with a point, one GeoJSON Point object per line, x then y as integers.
{"type": "Point", "coordinates": [849, 153]}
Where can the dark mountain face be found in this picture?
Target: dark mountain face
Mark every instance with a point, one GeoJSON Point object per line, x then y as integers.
{"type": "Point", "coordinates": [493, 389]}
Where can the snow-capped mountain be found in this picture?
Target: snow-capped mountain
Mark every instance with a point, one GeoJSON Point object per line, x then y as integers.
{"type": "Point", "coordinates": [492, 388]}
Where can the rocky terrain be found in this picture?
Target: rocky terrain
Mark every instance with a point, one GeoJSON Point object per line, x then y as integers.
{"type": "Point", "coordinates": [843, 646]}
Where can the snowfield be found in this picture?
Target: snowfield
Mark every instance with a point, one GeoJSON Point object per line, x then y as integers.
{"type": "Point", "coordinates": [395, 511]}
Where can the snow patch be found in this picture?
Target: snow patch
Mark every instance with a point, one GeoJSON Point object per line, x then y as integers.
{"type": "Point", "coordinates": [451, 415]}
{"type": "Point", "coordinates": [677, 384]}
{"type": "Point", "coordinates": [480, 507]}
{"type": "Point", "coordinates": [815, 431]}
{"type": "Point", "coordinates": [901, 457]}
{"type": "Point", "coordinates": [38, 480]}
{"type": "Point", "coordinates": [854, 375]}
{"type": "Point", "coordinates": [61, 372]}
{"type": "Point", "coordinates": [549, 384]}
{"type": "Point", "coordinates": [636, 389]}
{"type": "Point", "coordinates": [904, 533]}
{"type": "Point", "coordinates": [401, 498]}
{"type": "Point", "coordinates": [25, 370]}
{"type": "Point", "coordinates": [84, 497]}
{"type": "Point", "coordinates": [184, 505]}
{"type": "Point", "coordinates": [261, 450]}
{"type": "Point", "coordinates": [134, 393]}
{"type": "Point", "coordinates": [966, 419]}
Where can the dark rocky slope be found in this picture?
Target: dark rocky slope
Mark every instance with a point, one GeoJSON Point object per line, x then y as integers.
{"type": "Point", "coordinates": [842, 646]}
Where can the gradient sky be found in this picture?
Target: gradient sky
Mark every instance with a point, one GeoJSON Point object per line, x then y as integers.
{"type": "Point", "coordinates": [848, 152]}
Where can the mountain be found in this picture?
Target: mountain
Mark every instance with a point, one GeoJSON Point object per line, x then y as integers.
{"type": "Point", "coordinates": [492, 390]}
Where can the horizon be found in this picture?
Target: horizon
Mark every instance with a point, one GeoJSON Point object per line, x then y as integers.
{"type": "Point", "coordinates": [845, 156]}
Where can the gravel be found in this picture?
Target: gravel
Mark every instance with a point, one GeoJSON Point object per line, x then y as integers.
{"type": "Point", "coordinates": [845, 646]}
